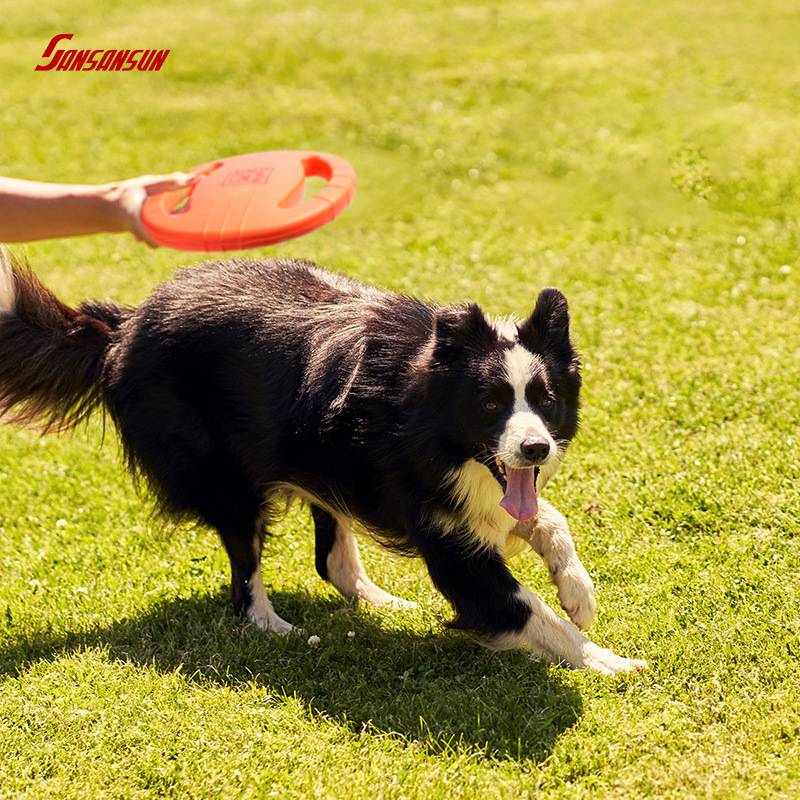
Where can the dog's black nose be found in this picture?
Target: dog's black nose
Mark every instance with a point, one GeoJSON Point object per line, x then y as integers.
{"type": "Point", "coordinates": [535, 450]}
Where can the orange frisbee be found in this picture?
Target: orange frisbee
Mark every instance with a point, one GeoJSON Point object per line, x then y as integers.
{"type": "Point", "coordinates": [250, 201]}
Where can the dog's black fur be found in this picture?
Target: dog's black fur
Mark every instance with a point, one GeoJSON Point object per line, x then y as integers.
{"type": "Point", "coordinates": [239, 379]}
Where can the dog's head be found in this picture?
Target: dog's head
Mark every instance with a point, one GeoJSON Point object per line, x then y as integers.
{"type": "Point", "coordinates": [507, 392]}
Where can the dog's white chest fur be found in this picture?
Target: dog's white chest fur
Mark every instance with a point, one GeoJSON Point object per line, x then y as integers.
{"type": "Point", "coordinates": [480, 495]}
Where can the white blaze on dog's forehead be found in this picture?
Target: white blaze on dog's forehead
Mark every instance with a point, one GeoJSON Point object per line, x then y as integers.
{"type": "Point", "coordinates": [524, 423]}
{"type": "Point", "coordinates": [7, 290]}
{"type": "Point", "coordinates": [506, 327]}
{"type": "Point", "coordinates": [520, 366]}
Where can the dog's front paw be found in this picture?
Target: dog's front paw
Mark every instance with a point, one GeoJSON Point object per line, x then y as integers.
{"type": "Point", "coordinates": [606, 662]}
{"type": "Point", "coordinates": [576, 594]}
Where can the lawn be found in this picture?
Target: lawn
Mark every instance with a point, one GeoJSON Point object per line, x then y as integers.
{"type": "Point", "coordinates": [645, 158]}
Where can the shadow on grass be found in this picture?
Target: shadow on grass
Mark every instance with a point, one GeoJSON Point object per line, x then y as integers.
{"type": "Point", "coordinates": [439, 689]}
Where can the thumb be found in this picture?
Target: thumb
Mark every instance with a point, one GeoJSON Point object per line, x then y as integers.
{"type": "Point", "coordinates": [166, 183]}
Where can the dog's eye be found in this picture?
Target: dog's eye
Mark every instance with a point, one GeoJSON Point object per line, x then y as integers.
{"type": "Point", "coordinates": [490, 406]}
{"type": "Point", "coordinates": [547, 402]}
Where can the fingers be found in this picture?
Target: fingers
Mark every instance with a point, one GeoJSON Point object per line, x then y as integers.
{"type": "Point", "coordinates": [153, 184]}
{"type": "Point", "coordinates": [133, 203]}
{"type": "Point", "coordinates": [140, 232]}
{"type": "Point", "coordinates": [131, 194]}
{"type": "Point", "coordinates": [139, 189]}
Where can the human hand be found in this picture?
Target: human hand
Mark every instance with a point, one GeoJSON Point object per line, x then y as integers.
{"type": "Point", "coordinates": [127, 197]}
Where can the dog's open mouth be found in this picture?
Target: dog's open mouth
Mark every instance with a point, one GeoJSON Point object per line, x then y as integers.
{"type": "Point", "coordinates": [520, 495]}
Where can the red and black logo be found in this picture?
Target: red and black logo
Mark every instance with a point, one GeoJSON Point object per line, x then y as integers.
{"type": "Point", "coordinates": [74, 60]}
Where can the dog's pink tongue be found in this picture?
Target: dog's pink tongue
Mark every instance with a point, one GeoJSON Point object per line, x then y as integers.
{"type": "Point", "coordinates": [520, 499]}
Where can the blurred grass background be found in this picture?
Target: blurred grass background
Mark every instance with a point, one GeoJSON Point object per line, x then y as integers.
{"type": "Point", "coordinates": [643, 157]}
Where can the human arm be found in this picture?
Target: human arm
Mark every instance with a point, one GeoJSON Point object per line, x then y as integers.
{"type": "Point", "coordinates": [30, 210]}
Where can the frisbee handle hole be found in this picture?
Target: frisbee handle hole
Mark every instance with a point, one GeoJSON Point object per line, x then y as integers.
{"type": "Point", "coordinates": [184, 201]}
{"type": "Point", "coordinates": [182, 206]}
{"type": "Point", "coordinates": [316, 167]}
{"type": "Point", "coordinates": [318, 174]}
{"type": "Point", "coordinates": [312, 186]}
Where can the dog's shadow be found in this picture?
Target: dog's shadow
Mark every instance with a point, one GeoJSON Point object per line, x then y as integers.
{"type": "Point", "coordinates": [439, 689]}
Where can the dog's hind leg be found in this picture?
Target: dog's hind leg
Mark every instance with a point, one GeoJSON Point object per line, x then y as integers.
{"type": "Point", "coordinates": [243, 545]}
{"type": "Point", "coordinates": [226, 502]}
{"type": "Point", "coordinates": [337, 560]}
{"type": "Point", "coordinates": [169, 441]}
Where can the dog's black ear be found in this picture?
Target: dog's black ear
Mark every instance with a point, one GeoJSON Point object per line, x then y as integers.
{"type": "Point", "coordinates": [548, 325]}
{"type": "Point", "coordinates": [460, 329]}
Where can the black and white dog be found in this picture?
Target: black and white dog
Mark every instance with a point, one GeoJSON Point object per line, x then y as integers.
{"type": "Point", "coordinates": [242, 382]}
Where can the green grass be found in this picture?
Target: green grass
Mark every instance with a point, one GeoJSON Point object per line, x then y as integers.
{"type": "Point", "coordinates": [643, 157]}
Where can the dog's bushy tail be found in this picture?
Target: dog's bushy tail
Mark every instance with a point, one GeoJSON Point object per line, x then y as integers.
{"type": "Point", "coordinates": [51, 355]}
